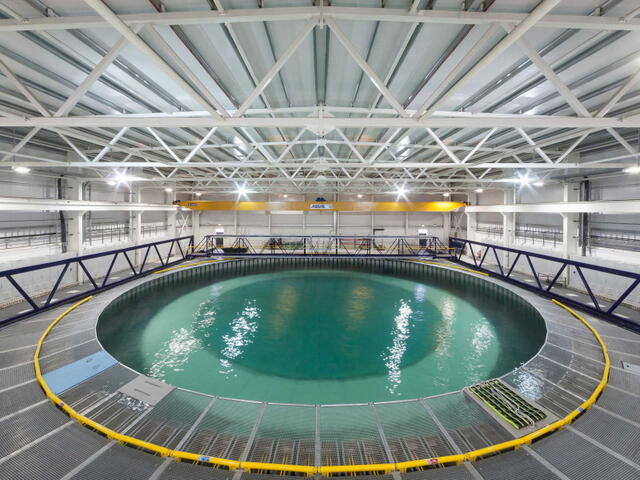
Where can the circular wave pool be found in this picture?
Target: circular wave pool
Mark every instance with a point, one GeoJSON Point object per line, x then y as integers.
{"type": "Point", "coordinates": [318, 335]}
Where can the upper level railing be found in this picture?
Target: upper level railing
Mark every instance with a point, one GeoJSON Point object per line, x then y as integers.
{"type": "Point", "coordinates": [310, 245]}
{"type": "Point", "coordinates": [608, 292]}
{"type": "Point", "coordinates": [27, 290]}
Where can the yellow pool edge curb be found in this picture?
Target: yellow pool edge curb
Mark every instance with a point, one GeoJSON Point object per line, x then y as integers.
{"type": "Point", "coordinates": [444, 265]}
{"type": "Point", "coordinates": [323, 470]}
{"type": "Point", "coordinates": [191, 265]}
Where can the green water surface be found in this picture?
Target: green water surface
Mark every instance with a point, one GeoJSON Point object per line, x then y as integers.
{"type": "Point", "coordinates": [320, 336]}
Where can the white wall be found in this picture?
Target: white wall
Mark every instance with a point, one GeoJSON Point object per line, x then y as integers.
{"type": "Point", "coordinates": [618, 188]}
{"type": "Point", "coordinates": [37, 282]}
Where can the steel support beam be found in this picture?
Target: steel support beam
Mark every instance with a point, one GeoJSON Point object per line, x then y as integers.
{"type": "Point", "coordinates": [17, 204]}
{"type": "Point", "coordinates": [446, 120]}
{"type": "Point", "coordinates": [601, 206]}
{"type": "Point", "coordinates": [230, 16]}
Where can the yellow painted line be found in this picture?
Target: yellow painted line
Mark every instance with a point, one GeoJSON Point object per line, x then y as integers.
{"type": "Point", "coordinates": [327, 469]}
{"type": "Point", "coordinates": [191, 265]}
{"type": "Point", "coordinates": [452, 266]}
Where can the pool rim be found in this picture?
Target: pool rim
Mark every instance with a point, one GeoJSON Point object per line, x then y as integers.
{"type": "Point", "coordinates": [456, 270]}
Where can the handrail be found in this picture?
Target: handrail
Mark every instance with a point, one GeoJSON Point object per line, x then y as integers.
{"type": "Point", "coordinates": [96, 282]}
{"type": "Point", "coordinates": [486, 251]}
{"type": "Point", "coordinates": [322, 245]}
{"type": "Point", "coordinates": [329, 469]}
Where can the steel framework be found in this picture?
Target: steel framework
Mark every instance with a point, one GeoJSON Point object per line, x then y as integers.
{"type": "Point", "coordinates": [482, 254]}
{"type": "Point", "coordinates": [98, 280]}
{"type": "Point", "coordinates": [321, 245]}
{"type": "Point", "coordinates": [444, 132]}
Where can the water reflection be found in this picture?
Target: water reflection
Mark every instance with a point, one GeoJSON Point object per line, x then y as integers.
{"type": "Point", "coordinates": [530, 386]}
{"type": "Point", "coordinates": [176, 351]}
{"type": "Point", "coordinates": [244, 328]}
{"type": "Point", "coordinates": [396, 351]}
{"type": "Point", "coordinates": [445, 332]}
{"type": "Point", "coordinates": [358, 306]}
{"type": "Point", "coordinates": [285, 306]}
{"type": "Point", "coordinates": [174, 354]}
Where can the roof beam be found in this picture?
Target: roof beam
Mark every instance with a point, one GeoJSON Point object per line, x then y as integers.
{"type": "Point", "coordinates": [273, 71]}
{"type": "Point", "coordinates": [159, 39]}
{"type": "Point", "coordinates": [38, 205]}
{"type": "Point", "coordinates": [204, 17]}
{"type": "Point", "coordinates": [447, 120]}
{"type": "Point", "coordinates": [463, 64]}
{"type": "Point", "coordinates": [321, 163]}
{"type": "Point", "coordinates": [373, 76]}
{"type": "Point", "coordinates": [610, 207]}
{"type": "Point", "coordinates": [527, 23]}
{"type": "Point", "coordinates": [113, 20]}
{"type": "Point", "coordinates": [562, 88]}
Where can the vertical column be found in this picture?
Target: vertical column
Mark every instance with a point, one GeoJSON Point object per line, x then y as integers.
{"type": "Point", "coordinates": [570, 226]}
{"type": "Point", "coordinates": [171, 215]}
{"type": "Point", "coordinates": [472, 218]}
{"type": "Point", "coordinates": [508, 226]}
{"type": "Point", "coordinates": [268, 214]}
{"type": "Point", "coordinates": [135, 235]}
{"type": "Point", "coordinates": [135, 224]}
{"type": "Point", "coordinates": [73, 191]}
{"type": "Point", "coordinates": [446, 227]}
{"type": "Point", "coordinates": [195, 226]}
{"type": "Point", "coordinates": [336, 219]}
{"type": "Point", "coordinates": [75, 239]}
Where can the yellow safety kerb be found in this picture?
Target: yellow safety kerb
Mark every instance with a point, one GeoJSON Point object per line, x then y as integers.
{"type": "Point", "coordinates": [452, 266]}
{"type": "Point", "coordinates": [332, 469]}
{"type": "Point", "coordinates": [191, 265]}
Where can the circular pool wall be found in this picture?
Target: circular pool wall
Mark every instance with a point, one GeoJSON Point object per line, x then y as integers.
{"type": "Point", "coordinates": [321, 330]}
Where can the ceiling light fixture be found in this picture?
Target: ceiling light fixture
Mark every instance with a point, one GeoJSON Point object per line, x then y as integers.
{"type": "Point", "coordinates": [632, 169]}
{"type": "Point", "coordinates": [21, 169]}
{"type": "Point", "coordinates": [122, 177]}
{"type": "Point", "coordinates": [446, 194]}
{"type": "Point", "coordinates": [241, 190]}
{"type": "Point", "coordinates": [401, 192]}
{"type": "Point", "coordinates": [285, 195]}
{"type": "Point", "coordinates": [479, 190]}
{"type": "Point", "coordinates": [520, 180]}
{"type": "Point", "coordinates": [359, 195]}
{"type": "Point", "coordinates": [168, 189]}
{"type": "Point", "coordinates": [538, 184]}
{"type": "Point", "coordinates": [198, 194]}
{"type": "Point", "coordinates": [113, 183]}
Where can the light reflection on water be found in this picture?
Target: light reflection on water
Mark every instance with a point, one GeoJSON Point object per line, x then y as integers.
{"type": "Point", "coordinates": [183, 342]}
{"type": "Point", "coordinates": [530, 386]}
{"type": "Point", "coordinates": [244, 328]}
{"type": "Point", "coordinates": [174, 354]}
{"type": "Point", "coordinates": [325, 337]}
{"type": "Point", "coordinates": [399, 335]}
{"type": "Point", "coordinates": [445, 331]}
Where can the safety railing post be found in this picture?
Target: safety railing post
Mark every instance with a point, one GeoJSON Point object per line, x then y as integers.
{"type": "Point", "coordinates": [97, 283]}
{"type": "Point", "coordinates": [562, 264]}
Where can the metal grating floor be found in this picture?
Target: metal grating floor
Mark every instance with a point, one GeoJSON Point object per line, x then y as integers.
{"type": "Point", "coordinates": [37, 441]}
